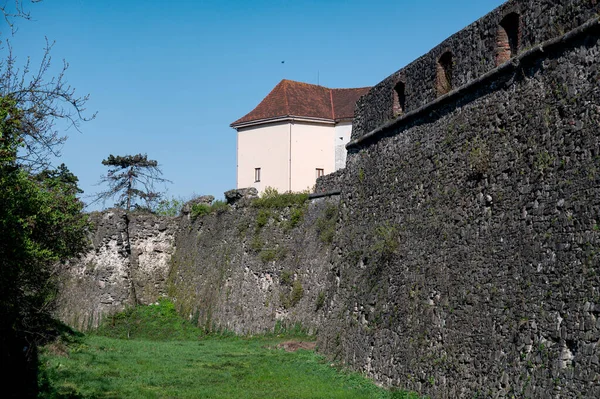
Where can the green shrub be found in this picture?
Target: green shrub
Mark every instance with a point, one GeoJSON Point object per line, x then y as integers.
{"type": "Point", "coordinates": [219, 206]}
{"type": "Point", "coordinates": [292, 297]}
{"type": "Point", "coordinates": [286, 277]}
{"type": "Point", "coordinates": [242, 227]}
{"type": "Point", "coordinates": [296, 216]}
{"type": "Point", "coordinates": [262, 218]}
{"type": "Point", "coordinates": [297, 293]}
{"type": "Point", "coordinates": [272, 199]}
{"type": "Point", "coordinates": [257, 243]}
{"type": "Point", "coordinates": [268, 255]}
{"type": "Point", "coordinates": [203, 209]}
{"type": "Point", "coordinates": [169, 207]}
{"type": "Point", "coordinates": [200, 210]}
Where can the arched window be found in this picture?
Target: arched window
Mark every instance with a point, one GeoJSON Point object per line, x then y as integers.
{"type": "Point", "coordinates": [444, 73]}
{"type": "Point", "coordinates": [508, 38]}
{"type": "Point", "coordinates": [399, 99]}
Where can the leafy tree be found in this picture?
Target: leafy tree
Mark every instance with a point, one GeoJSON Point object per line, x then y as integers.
{"type": "Point", "coordinates": [60, 176]}
{"type": "Point", "coordinates": [41, 223]}
{"type": "Point", "coordinates": [131, 179]}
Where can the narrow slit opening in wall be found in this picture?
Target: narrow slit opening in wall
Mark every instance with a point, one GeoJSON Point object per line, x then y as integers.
{"type": "Point", "coordinates": [508, 38]}
{"type": "Point", "coordinates": [444, 73]}
{"type": "Point", "coordinates": [399, 98]}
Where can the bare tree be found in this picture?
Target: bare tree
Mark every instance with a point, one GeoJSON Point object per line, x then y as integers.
{"type": "Point", "coordinates": [17, 10]}
{"type": "Point", "coordinates": [43, 100]}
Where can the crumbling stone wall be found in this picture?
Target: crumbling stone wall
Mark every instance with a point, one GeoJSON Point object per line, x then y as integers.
{"type": "Point", "coordinates": [250, 270]}
{"type": "Point", "coordinates": [243, 269]}
{"type": "Point", "coordinates": [127, 263]}
{"type": "Point", "coordinates": [469, 234]}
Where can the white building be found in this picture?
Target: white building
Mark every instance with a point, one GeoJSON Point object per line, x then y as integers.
{"type": "Point", "coordinates": [297, 133]}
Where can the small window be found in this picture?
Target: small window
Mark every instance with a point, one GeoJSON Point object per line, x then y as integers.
{"type": "Point", "coordinates": [256, 175]}
{"type": "Point", "coordinates": [399, 99]}
{"type": "Point", "coordinates": [445, 66]}
{"type": "Point", "coordinates": [508, 38]}
{"type": "Point", "coordinates": [320, 172]}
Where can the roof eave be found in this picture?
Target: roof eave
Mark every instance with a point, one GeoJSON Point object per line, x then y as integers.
{"type": "Point", "coordinates": [287, 118]}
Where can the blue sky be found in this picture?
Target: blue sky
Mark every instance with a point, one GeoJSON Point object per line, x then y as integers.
{"type": "Point", "coordinates": [168, 77]}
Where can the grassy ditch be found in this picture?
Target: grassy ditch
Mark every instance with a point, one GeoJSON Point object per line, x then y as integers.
{"type": "Point", "coordinates": [190, 364]}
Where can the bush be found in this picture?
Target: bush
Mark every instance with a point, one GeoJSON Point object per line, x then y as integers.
{"type": "Point", "coordinates": [297, 293]}
{"type": "Point", "coordinates": [296, 216]}
{"type": "Point", "coordinates": [203, 209]}
{"type": "Point", "coordinates": [200, 210]}
{"type": "Point", "coordinates": [262, 218]}
{"type": "Point", "coordinates": [268, 255]}
{"type": "Point", "coordinates": [219, 206]}
{"type": "Point", "coordinates": [286, 277]}
{"type": "Point", "coordinates": [272, 199]}
{"type": "Point", "coordinates": [169, 207]}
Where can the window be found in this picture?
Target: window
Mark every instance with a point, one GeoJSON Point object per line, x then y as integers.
{"type": "Point", "coordinates": [444, 73]}
{"type": "Point", "coordinates": [399, 99]}
{"type": "Point", "coordinates": [320, 172]}
{"type": "Point", "coordinates": [508, 38]}
{"type": "Point", "coordinates": [256, 175]}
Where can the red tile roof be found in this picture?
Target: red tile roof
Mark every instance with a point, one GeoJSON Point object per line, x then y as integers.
{"type": "Point", "coordinates": [290, 98]}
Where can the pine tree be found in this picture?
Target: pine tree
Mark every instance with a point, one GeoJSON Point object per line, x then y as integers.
{"type": "Point", "coordinates": [131, 179]}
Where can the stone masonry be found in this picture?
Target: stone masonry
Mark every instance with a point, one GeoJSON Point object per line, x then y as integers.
{"type": "Point", "coordinates": [458, 254]}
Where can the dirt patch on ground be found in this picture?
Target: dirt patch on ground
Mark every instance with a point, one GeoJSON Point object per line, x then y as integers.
{"type": "Point", "coordinates": [293, 346]}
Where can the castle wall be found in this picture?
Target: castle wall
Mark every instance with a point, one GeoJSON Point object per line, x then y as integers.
{"type": "Point", "coordinates": [461, 257]}
{"type": "Point", "coordinates": [112, 275]}
{"type": "Point", "coordinates": [469, 237]}
{"type": "Point", "coordinates": [250, 270]}
{"type": "Point", "coordinates": [474, 50]}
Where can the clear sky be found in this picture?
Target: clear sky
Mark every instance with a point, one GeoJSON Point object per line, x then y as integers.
{"type": "Point", "coordinates": [167, 77]}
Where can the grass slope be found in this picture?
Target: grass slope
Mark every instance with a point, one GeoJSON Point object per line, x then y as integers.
{"type": "Point", "coordinates": [190, 367]}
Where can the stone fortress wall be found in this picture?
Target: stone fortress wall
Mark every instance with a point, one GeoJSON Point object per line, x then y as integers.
{"type": "Point", "coordinates": [512, 29]}
{"type": "Point", "coordinates": [460, 253]}
{"type": "Point", "coordinates": [470, 227]}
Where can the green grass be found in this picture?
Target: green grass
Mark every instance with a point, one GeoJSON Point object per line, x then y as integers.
{"type": "Point", "coordinates": [153, 322]}
{"type": "Point", "coordinates": [194, 365]}
{"type": "Point", "coordinates": [103, 367]}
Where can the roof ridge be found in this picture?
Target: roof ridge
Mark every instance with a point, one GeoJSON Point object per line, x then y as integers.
{"type": "Point", "coordinates": [352, 88]}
